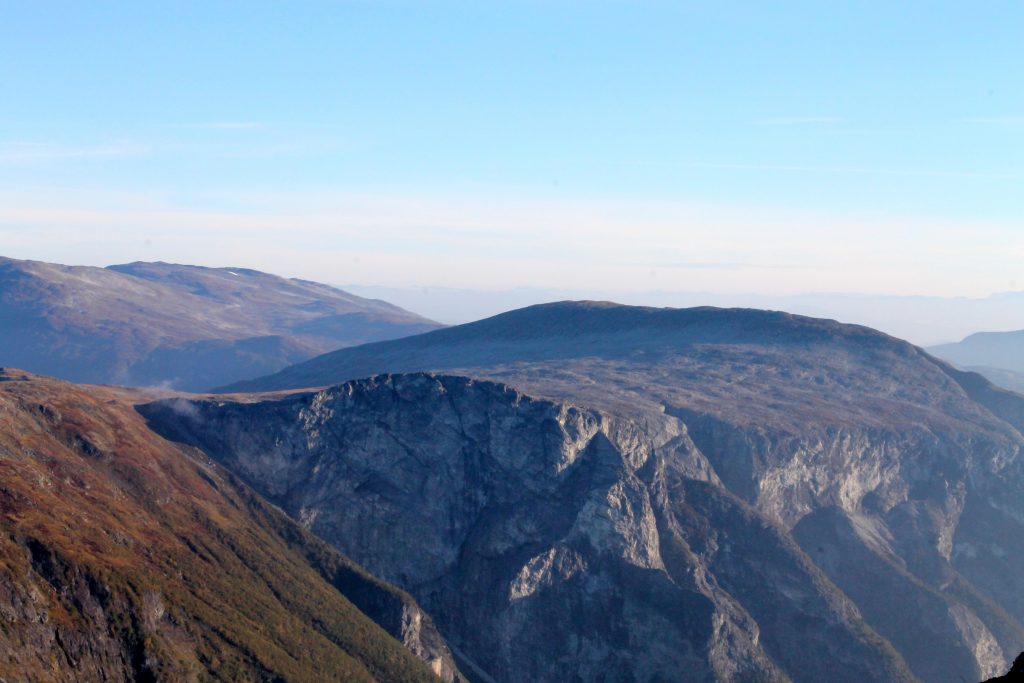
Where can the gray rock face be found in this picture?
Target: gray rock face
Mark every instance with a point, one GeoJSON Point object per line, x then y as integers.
{"type": "Point", "coordinates": [556, 543]}
{"type": "Point", "coordinates": [96, 650]}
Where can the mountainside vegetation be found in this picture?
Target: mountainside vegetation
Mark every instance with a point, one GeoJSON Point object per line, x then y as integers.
{"type": "Point", "coordinates": [124, 557]}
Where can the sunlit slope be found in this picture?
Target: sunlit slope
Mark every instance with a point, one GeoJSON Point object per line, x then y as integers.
{"type": "Point", "coordinates": [188, 327]}
{"type": "Point", "coordinates": [125, 557]}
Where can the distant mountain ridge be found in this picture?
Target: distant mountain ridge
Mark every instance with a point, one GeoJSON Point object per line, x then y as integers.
{"type": "Point", "coordinates": [986, 349]}
{"type": "Point", "coordinates": [919, 319]}
{"type": "Point", "coordinates": [187, 327]}
{"type": "Point", "coordinates": [999, 356]}
{"type": "Point", "coordinates": [566, 328]}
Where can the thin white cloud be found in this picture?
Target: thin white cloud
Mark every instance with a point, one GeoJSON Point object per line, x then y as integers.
{"type": "Point", "coordinates": [22, 152]}
{"type": "Point", "coordinates": [1009, 121]}
{"type": "Point", "coordinates": [859, 170]}
{"type": "Point", "coordinates": [799, 121]}
{"type": "Point", "coordinates": [507, 241]}
{"type": "Point", "coordinates": [224, 125]}
{"type": "Point", "coordinates": [721, 265]}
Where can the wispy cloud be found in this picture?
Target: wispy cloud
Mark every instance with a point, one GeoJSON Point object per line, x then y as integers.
{"type": "Point", "coordinates": [283, 149]}
{"type": "Point", "coordinates": [799, 121]}
{"type": "Point", "coordinates": [17, 152]}
{"type": "Point", "coordinates": [224, 125]}
{"type": "Point", "coordinates": [998, 120]}
{"type": "Point", "coordinates": [468, 240]}
{"type": "Point", "coordinates": [859, 170]}
{"type": "Point", "coordinates": [720, 265]}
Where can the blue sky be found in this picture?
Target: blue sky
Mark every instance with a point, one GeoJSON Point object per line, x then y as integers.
{"type": "Point", "coordinates": [719, 146]}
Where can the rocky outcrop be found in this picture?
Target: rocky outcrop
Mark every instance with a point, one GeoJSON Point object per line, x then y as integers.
{"type": "Point", "coordinates": [550, 542]}
{"type": "Point", "coordinates": [1014, 675]}
{"type": "Point", "coordinates": [65, 622]}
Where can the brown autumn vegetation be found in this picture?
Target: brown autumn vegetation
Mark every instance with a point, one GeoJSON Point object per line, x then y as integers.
{"type": "Point", "coordinates": [126, 557]}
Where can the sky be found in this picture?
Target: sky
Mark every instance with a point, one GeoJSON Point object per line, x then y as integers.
{"type": "Point", "coordinates": [724, 147]}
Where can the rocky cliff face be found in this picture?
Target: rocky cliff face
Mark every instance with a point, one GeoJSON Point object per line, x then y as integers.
{"type": "Point", "coordinates": [557, 543]}
{"type": "Point", "coordinates": [795, 497]}
{"type": "Point", "coordinates": [127, 558]}
{"type": "Point", "coordinates": [1014, 675]}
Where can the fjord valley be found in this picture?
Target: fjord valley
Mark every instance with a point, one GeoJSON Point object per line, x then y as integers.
{"type": "Point", "coordinates": [186, 327]}
{"type": "Point", "coordinates": [587, 491]}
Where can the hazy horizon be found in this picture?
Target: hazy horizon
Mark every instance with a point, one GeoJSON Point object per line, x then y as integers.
{"type": "Point", "coordinates": [920, 319]}
{"type": "Point", "coordinates": [620, 147]}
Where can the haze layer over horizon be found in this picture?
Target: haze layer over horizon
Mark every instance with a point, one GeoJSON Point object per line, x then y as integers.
{"type": "Point", "coordinates": [614, 147]}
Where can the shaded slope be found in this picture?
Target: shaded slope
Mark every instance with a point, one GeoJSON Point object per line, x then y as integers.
{"type": "Point", "coordinates": [189, 327]}
{"type": "Point", "coordinates": [1008, 379]}
{"type": "Point", "coordinates": [125, 557]}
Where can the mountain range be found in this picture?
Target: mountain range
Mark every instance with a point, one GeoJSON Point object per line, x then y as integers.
{"type": "Point", "coordinates": [577, 491]}
{"type": "Point", "coordinates": [923, 320]}
{"type": "Point", "coordinates": [588, 491]}
{"type": "Point", "coordinates": [997, 355]}
{"type": "Point", "coordinates": [186, 327]}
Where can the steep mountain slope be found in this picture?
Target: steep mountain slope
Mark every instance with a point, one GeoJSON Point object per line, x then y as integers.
{"type": "Point", "coordinates": [124, 557]}
{"type": "Point", "coordinates": [1008, 379]}
{"type": "Point", "coordinates": [891, 476]}
{"type": "Point", "coordinates": [184, 326]}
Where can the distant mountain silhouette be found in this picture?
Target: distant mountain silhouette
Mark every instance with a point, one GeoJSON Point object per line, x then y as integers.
{"type": "Point", "coordinates": [186, 327]}
{"type": "Point", "coordinates": [991, 349]}
{"type": "Point", "coordinates": [997, 355]}
{"type": "Point", "coordinates": [920, 319]}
